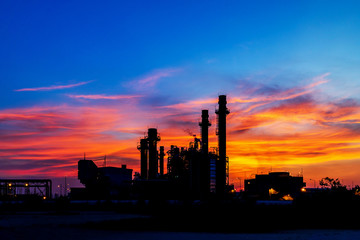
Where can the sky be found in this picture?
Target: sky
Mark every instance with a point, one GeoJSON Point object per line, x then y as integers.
{"type": "Point", "coordinates": [92, 76]}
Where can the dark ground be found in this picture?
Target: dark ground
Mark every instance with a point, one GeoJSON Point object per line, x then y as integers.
{"type": "Point", "coordinates": [161, 220]}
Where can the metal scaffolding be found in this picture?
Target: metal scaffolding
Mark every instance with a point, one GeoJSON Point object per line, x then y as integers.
{"type": "Point", "coordinates": [15, 188]}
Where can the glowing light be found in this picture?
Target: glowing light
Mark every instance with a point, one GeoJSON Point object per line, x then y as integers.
{"type": "Point", "coordinates": [287, 198]}
{"type": "Point", "coordinates": [272, 191]}
{"type": "Point", "coordinates": [303, 189]}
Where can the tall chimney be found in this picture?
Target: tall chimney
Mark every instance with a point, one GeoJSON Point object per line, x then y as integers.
{"type": "Point", "coordinates": [204, 170]}
{"type": "Point", "coordinates": [161, 160]}
{"type": "Point", "coordinates": [143, 158]}
{"type": "Point", "coordinates": [205, 124]}
{"type": "Point", "coordinates": [153, 138]}
{"type": "Point", "coordinates": [221, 175]}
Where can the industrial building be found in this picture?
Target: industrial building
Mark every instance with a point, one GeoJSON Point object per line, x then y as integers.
{"type": "Point", "coordinates": [274, 186]}
{"type": "Point", "coordinates": [193, 172]}
{"type": "Point", "coordinates": [102, 182]}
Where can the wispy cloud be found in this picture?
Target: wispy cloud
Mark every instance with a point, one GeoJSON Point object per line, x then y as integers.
{"type": "Point", "coordinates": [287, 94]}
{"type": "Point", "coordinates": [151, 79]}
{"type": "Point", "coordinates": [53, 87]}
{"type": "Point", "coordinates": [254, 99]}
{"type": "Point", "coordinates": [103, 96]}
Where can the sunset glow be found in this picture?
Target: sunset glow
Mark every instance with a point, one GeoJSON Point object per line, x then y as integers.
{"type": "Point", "coordinates": [294, 107]}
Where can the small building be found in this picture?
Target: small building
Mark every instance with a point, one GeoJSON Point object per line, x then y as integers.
{"type": "Point", "coordinates": [103, 182]}
{"type": "Point", "coordinates": [274, 186]}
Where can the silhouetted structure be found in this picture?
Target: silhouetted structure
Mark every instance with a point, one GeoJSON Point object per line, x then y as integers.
{"type": "Point", "coordinates": [205, 124]}
{"type": "Point", "coordinates": [143, 158]}
{"type": "Point", "coordinates": [149, 155]}
{"type": "Point", "coordinates": [25, 188]}
{"type": "Point", "coordinates": [204, 166]}
{"type": "Point", "coordinates": [104, 182]}
{"type": "Point", "coordinates": [222, 175]}
{"type": "Point", "coordinates": [152, 139]}
{"type": "Point", "coordinates": [192, 172]}
{"type": "Point", "coordinates": [151, 184]}
{"type": "Point", "coordinates": [275, 185]}
{"type": "Point", "coordinates": [161, 160]}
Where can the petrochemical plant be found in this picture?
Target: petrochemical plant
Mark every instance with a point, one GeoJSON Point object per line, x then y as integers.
{"type": "Point", "coordinates": [192, 173]}
{"type": "Point", "coordinates": [193, 194]}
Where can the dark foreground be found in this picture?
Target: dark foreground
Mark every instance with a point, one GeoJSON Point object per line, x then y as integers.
{"type": "Point", "coordinates": [164, 220]}
{"type": "Point", "coordinates": [91, 225]}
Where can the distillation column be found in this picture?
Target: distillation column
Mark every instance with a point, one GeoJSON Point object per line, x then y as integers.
{"type": "Point", "coordinates": [153, 138]}
{"type": "Point", "coordinates": [143, 158]}
{"type": "Point", "coordinates": [205, 124]}
{"type": "Point", "coordinates": [205, 161]}
{"type": "Point", "coordinates": [221, 175]}
{"type": "Point", "coordinates": [161, 160]}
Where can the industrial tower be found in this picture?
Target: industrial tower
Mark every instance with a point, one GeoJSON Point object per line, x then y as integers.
{"type": "Point", "coordinates": [221, 166]}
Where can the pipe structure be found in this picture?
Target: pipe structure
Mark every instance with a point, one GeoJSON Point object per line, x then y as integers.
{"type": "Point", "coordinates": [161, 160]}
{"type": "Point", "coordinates": [205, 124]}
{"type": "Point", "coordinates": [221, 175]}
{"type": "Point", "coordinates": [143, 158]}
{"type": "Point", "coordinates": [153, 138]}
{"type": "Point", "coordinates": [205, 161]}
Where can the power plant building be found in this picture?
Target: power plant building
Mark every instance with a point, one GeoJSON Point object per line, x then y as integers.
{"type": "Point", "coordinates": [193, 172]}
{"type": "Point", "coordinates": [275, 185]}
{"type": "Point", "coordinates": [103, 182]}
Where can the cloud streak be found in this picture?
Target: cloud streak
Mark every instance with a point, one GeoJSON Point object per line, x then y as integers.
{"type": "Point", "coordinates": [50, 88]}
{"type": "Point", "coordinates": [287, 94]}
{"type": "Point", "coordinates": [150, 80]}
{"type": "Point", "coordinates": [103, 96]}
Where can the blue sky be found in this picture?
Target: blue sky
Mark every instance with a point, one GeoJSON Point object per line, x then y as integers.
{"type": "Point", "coordinates": [79, 57]}
{"type": "Point", "coordinates": [114, 42]}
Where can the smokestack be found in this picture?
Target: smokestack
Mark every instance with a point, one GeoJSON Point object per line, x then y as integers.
{"type": "Point", "coordinates": [153, 138]}
{"type": "Point", "coordinates": [205, 124]}
{"type": "Point", "coordinates": [161, 159]}
{"type": "Point", "coordinates": [205, 161]}
{"type": "Point", "coordinates": [143, 158]}
{"type": "Point", "coordinates": [221, 175]}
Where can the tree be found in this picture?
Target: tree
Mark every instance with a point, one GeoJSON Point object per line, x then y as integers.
{"type": "Point", "coordinates": [332, 183]}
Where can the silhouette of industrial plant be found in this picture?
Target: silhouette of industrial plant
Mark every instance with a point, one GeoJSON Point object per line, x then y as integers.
{"type": "Point", "coordinates": [192, 173]}
{"type": "Point", "coordinates": [194, 194]}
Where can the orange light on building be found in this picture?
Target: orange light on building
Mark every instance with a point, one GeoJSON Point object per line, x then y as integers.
{"type": "Point", "coordinates": [287, 198]}
{"type": "Point", "coordinates": [272, 191]}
